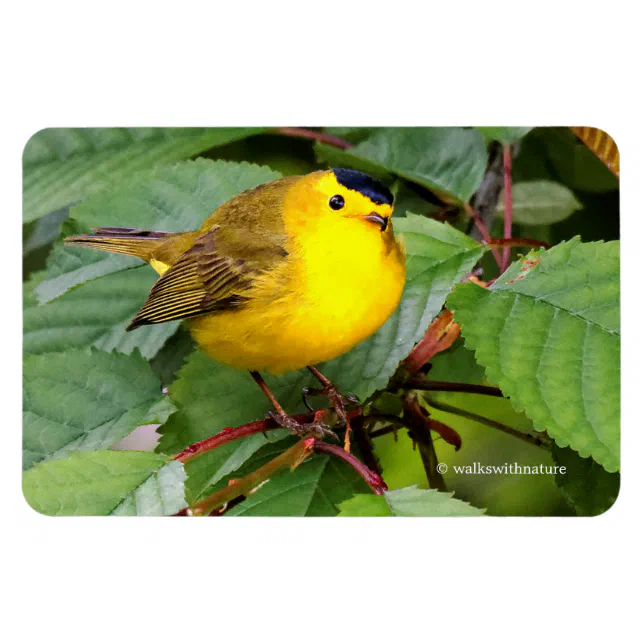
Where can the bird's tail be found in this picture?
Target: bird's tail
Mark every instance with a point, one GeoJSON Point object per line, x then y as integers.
{"type": "Point", "coordinates": [127, 241]}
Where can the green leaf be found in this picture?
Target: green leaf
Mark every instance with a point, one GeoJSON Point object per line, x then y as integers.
{"type": "Point", "coordinates": [587, 486]}
{"type": "Point", "coordinates": [86, 400]}
{"type": "Point", "coordinates": [408, 198]}
{"type": "Point", "coordinates": [408, 502]}
{"type": "Point", "coordinates": [447, 160]}
{"type": "Point", "coordinates": [365, 505]}
{"type": "Point", "coordinates": [314, 489]}
{"type": "Point", "coordinates": [438, 256]}
{"type": "Point", "coordinates": [351, 133]}
{"type": "Point", "coordinates": [212, 396]}
{"type": "Point", "coordinates": [414, 502]}
{"type": "Point", "coordinates": [44, 231]}
{"type": "Point", "coordinates": [94, 314]}
{"type": "Point", "coordinates": [575, 164]}
{"type": "Point", "coordinates": [170, 198]}
{"type": "Point", "coordinates": [547, 332]}
{"type": "Point", "coordinates": [162, 494]}
{"type": "Point", "coordinates": [505, 135]}
{"type": "Point", "coordinates": [538, 203]}
{"type": "Point", "coordinates": [105, 482]}
{"type": "Point", "coordinates": [65, 165]}
{"type": "Point", "coordinates": [334, 157]}
{"type": "Point", "coordinates": [206, 477]}
{"type": "Point", "coordinates": [457, 364]}
{"type": "Point", "coordinates": [172, 356]}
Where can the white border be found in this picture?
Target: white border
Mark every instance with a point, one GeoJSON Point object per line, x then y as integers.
{"type": "Point", "coordinates": [322, 63]}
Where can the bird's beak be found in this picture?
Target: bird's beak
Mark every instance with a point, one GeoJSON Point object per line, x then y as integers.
{"type": "Point", "coordinates": [377, 219]}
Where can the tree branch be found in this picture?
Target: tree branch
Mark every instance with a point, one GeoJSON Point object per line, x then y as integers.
{"type": "Point", "coordinates": [480, 224]}
{"type": "Point", "coordinates": [292, 457]}
{"type": "Point", "coordinates": [486, 197]}
{"type": "Point", "coordinates": [507, 205]}
{"type": "Point", "coordinates": [415, 418]}
{"type": "Point", "coordinates": [365, 444]}
{"type": "Point", "coordinates": [420, 383]}
{"type": "Point", "coordinates": [373, 479]}
{"type": "Point", "coordinates": [512, 242]}
{"type": "Point", "coordinates": [233, 433]}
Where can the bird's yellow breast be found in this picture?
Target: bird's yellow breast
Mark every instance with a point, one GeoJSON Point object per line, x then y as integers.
{"type": "Point", "coordinates": [342, 279]}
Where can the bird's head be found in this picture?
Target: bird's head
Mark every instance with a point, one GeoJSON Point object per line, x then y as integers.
{"type": "Point", "coordinates": [341, 200]}
{"type": "Point", "coordinates": [354, 195]}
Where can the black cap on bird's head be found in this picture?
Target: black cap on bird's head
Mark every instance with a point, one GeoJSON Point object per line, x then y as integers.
{"type": "Point", "coordinates": [364, 184]}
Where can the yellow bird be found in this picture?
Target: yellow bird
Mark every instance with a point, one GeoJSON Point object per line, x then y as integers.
{"type": "Point", "coordinates": [286, 275]}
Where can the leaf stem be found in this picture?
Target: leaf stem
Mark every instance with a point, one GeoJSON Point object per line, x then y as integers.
{"type": "Point", "coordinates": [534, 439]}
{"type": "Point", "coordinates": [315, 135]}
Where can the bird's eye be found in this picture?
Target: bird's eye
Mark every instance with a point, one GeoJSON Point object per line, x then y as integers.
{"type": "Point", "coordinates": [336, 202]}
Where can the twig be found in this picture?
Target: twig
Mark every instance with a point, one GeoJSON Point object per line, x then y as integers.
{"type": "Point", "coordinates": [373, 479]}
{"type": "Point", "coordinates": [486, 197]}
{"type": "Point", "coordinates": [512, 242]}
{"type": "Point", "coordinates": [480, 224]}
{"type": "Point", "coordinates": [382, 431]}
{"type": "Point", "coordinates": [315, 135]}
{"type": "Point", "coordinates": [507, 205]}
{"type": "Point", "coordinates": [292, 457]}
{"type": "Point", "coordinates": [415, 418]}
{"type": "Point", "coordinates": [385, 418]}
{"type": "Point", "coordinates": [365, 444]}
{"type": "Point", "coordinates": [233, 433]}
{"type": "Point", "coordinates": [539, 441]}
{"type": "Point", "coordinates": [420, 383]}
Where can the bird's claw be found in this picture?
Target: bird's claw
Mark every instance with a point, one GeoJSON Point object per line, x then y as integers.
{"type": "Point", "coordinates": [339, 401]}
{"type": "Point", "coordinates": [303, 430]}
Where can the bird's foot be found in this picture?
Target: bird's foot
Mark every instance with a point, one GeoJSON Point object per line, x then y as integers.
{"type": "Point", "coordinates": [316, 429]}
{"type": "Point", "coordinates": [338, 401]}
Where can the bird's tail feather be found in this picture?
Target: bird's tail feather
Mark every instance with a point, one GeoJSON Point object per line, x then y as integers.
{"type": "Point", "coordinates": [127, 241]}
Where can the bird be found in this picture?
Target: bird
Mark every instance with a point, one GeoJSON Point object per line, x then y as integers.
{"type": "Point", "coordinates": [281, 277]}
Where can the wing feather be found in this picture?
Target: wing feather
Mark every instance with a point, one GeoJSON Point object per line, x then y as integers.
{"type": "Point", "coordinates": [200, 281]}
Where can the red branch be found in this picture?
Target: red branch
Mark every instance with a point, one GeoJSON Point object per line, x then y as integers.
{"type": "Point", "coordinates": [232, 433]}
{"type": "Point", "coordinates": [512, 242]}
{"type": "Point", "coordinates": [480, 224]}
{"type": "Point", "coordinates": [420, 383]}
{"type": "Point", "coordinates": [507, 205]}
{"type": "Point", "coordinates": [315, 135]}
{"type": "Point", "coordinates": [373, 479]}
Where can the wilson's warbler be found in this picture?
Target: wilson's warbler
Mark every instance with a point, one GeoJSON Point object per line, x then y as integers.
{"type": "Point", "coordinates": [281, 277]}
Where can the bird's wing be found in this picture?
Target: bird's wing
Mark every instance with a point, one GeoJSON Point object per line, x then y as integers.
{"type": "Point", "coordinates": [204, 279]}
